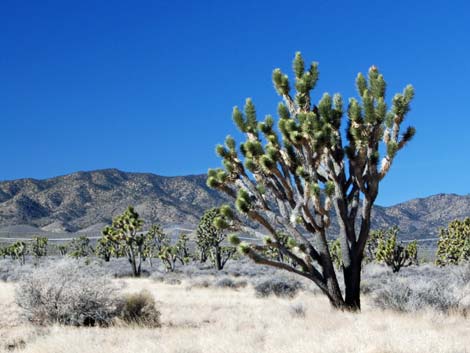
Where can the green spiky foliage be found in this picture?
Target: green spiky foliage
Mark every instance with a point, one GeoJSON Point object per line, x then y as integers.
{"type": "Point", "coordinates": [38, 247]}
{"type": "Point", "coordinates": [80, 247]}
{"type": "Point", "coordinates": [125, 233]}
{"type": "Point", "coordinates": [3, 251]}
{"type": "Point", "coordinates": [105, 249]}
{"type": "Point", "coordinates": [18, 251]}
{"type": "Point", "coordinates": [153, 242]}
{"type": "Point", "coordinates": [210, 239]}
{"type": "Point", "coordinates": [393, 253]}
{"type": "Point", "coordinates": [271, 251]}
{"type": "Point", "coordinates": [62, 249]}
{"type": "Point", "coordinates": [375, 238]}
{"type": "Point", "coordinates": [172, 254]}
{"type": "Point", "coordinates": [335, 250]}
{"type": "Point", "coordinates": [454, 243]}
{"type": "Point", "coordinates": [287, 176]}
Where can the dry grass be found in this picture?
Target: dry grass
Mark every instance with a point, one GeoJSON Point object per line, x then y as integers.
{"type": "Point", "coordinates": [209, 320]}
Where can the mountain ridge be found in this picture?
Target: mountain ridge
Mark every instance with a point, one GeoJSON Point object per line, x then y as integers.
{"type": "Point", "coordinates": [86, 199]}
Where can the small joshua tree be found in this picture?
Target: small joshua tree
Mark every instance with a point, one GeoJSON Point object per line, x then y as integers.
{"type": "Point", "coordinates": [154, 240]}
{"type": "Point", "coordinates": [375, 238]}
{"type": "Point", "coordinates": [454, 243]}
{"type": "Point", "coordinates": [3, 251]}
{"type": "Point", "coordinates": [172, 254]}
{"type": "Point", "coordinates": [105, 248]}
{"type": "Point", "coordinates": [395, 254]}
{"type": "Point", "coordinates": [80, 247]}
{"type": "Point", "coordinates": [288, 179]}
{"type": "Point", "coordinates": [18, 251]}
{"type": "Point", "coordinates": [38, 247]}
{"type": "Point", "coordinates": [125, 232]}
{"type": "Point", "coordinates": [62, 249]}
{"type": "Point", "coordinates": [210, 238]}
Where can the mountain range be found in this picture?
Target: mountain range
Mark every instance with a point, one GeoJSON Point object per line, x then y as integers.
{"type": "Point", "coordinates": [84, 202]}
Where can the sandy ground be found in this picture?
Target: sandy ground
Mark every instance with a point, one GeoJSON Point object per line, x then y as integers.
{"type": "Point", "coordinates": [208, 320]}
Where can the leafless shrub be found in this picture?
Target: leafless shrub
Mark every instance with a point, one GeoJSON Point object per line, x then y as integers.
{"type": "Point", "coordinates": [199, 283]}
{"type": "Point", "coordinates": [227, 282]}
{"type": "Point", "coordinates": [297, 310]}
{"type": "Point", "coordinates": [441, 289]}
{"type": "Point", "coordinates": [280, 287]}
{"type": "Point", "coordinates": [67, 293]}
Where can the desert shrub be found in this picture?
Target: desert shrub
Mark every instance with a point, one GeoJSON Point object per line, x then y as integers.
{"type": "Point", "coordinates": [427, 288]}
{"type": "Point", "coordinates": [139, 308]}
{"type": "Point", "coordinates": [297, 310]}
{"type": "Point", "coordinates": [67, 293]}
{"type": "Point", "coordinates": [227, 282]}
{"type": "Point", "coordinates": [280, 287]}
{"type": "Point", "coordinates": [11, 272]}
{"type": "Point", "coordinates": [199, 283]}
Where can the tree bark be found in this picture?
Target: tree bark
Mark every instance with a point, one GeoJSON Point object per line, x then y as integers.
{"type": "Point", "coordinates": [218, 259]}
{"type": "Point", "coordinates": [352, 282]}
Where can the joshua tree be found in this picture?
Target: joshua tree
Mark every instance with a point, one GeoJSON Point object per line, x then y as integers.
{"type": "Point", "coordinates": [454, 243]}
{"type": "Point", "coordinates": [105, 248]}
{"type": "Point", "coordinates": [3, 251]}
{"type": "Point", "coordinates": [394, 254]}
{"type": "Point", "coordinates": [210, 238]}
{"type": "Point", "coordinates": [289, 181]}
{"type": "Point", "coordinates": [63, 249]}
{"type": "Point", "coordinates": [79, 247]}
{"type": "Point", "coordinates": [154, 240]}
{"type": "Point", "coordinates": [171, 254]}
{"type": "Point", "coordinates": [18, 251]}
{"type": "Point", "coordinates": [370, 251]}
{"type": "Point", "coordinates": [125, 233]}
{"type": "Point", "coordinates": [39, 247]}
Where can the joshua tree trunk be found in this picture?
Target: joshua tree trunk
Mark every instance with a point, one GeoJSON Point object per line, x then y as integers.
{"type": "Point", "coordinates": [218, 259]}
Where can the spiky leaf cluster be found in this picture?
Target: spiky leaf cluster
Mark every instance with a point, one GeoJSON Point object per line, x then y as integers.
{"type": "Point", "coordinates": [125, 233]}
{"type": "Point", "coordinates": [211, 234]}
{"type": "Point", "coordinates": [80, 247]}
{"type": "Point", "coordinates": [395, 254]}
{"type": "Point", "coordinates": [38, 246]}
{"type": "Point", "coordinates": [454, 243]}
{"type": "Point", "coordinates": [17, 251]}
{"type": "Point", "coordinates": [171, 254]}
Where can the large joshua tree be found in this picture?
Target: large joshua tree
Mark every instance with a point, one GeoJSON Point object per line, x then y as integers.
{"type": "Point", "coordinates": [288, 179]}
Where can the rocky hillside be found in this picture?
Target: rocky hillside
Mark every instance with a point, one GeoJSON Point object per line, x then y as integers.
{"type": "Point", "coordinates": [85, 201]}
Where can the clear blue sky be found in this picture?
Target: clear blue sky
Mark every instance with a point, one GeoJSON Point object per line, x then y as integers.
{"type": "Point", "coordinates": [149, 86]}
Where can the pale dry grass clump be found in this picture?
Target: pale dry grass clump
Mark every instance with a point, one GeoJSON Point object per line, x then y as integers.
{"type": "Point", "coordinates": [214, 320]}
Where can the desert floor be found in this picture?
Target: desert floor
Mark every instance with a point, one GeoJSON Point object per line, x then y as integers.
{"type": "Point", "coordinates": [203, 320]}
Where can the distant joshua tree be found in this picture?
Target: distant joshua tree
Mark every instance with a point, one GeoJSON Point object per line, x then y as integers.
{"type": "Point", "coordinates": [454, 243]}
{"type": "Point", "coordinates": [393, 253]}
{"type": "Point", "coordinates": [125, 233]}
{"type": "Point", "coordinates": [38, 247]}
{"type": "Point", "coordinates": [288, 179]}
{"type": "Point", "coordinates": [209, 240]}
{"type": "Point", "coordinates": [79, 247]}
